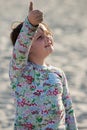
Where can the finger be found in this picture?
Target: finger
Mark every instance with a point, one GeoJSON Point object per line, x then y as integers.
{"type": "Point", "coordinates": [31, 6]}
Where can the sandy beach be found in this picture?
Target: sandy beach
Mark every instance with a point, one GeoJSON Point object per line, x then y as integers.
{"type": "Point", "coordinates": [68, 21]}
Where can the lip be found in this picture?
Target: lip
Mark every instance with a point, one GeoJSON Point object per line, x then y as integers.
{"type": "Point", "coordinates": [48, 45]}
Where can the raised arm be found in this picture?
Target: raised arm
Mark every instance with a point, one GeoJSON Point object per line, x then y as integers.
{"type": "Point", "coordinates": [67, 101]}
{"type": "Point", "coordinates": [24, 41]}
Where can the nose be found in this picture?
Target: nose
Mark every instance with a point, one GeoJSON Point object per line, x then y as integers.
{"type": "Point", "coordinates": [49, 39]}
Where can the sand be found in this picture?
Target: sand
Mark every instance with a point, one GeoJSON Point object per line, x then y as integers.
{"type": "Point", "coordinates": [68, 20]}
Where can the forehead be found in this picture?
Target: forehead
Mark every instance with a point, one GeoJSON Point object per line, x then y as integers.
{"type": "Point", "coordinates": [43, 28]}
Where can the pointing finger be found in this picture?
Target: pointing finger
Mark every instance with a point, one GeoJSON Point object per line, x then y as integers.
{"type": "Point", "coordinates": [31, 6]}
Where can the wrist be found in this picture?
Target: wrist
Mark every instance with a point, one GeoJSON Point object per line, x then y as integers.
{"type": "Point", "coordinates": [32, 23]}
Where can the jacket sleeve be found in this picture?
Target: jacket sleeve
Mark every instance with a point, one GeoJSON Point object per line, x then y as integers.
{"type": "Point", "coordinates": [21, 51]}
{"type": "Point", "coordinates": [67, 101]}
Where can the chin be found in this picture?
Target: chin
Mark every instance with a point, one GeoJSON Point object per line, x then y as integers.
{"type": "Point", "coordinates": [50, 50]}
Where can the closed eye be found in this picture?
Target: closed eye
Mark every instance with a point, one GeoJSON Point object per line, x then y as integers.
{"type": "Point", "coordinates": [40, 37]}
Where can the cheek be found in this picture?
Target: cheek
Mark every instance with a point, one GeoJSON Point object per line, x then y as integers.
{"type": "Point", "coordinates": [37, 47]}
{"type": "Point", "coordinates": [38, 44]}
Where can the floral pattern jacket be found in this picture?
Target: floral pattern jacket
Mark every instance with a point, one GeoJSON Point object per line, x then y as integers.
{"type": "Point", "coordinates": [41, 92]}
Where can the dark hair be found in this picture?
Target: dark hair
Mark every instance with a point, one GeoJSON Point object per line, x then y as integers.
{"type": "Point", "coordinates": [15, 32]}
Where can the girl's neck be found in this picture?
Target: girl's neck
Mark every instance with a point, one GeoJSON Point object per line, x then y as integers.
{"type": "Point", "coordinates": [37, 61]}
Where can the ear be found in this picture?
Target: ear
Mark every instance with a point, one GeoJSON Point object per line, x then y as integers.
{"type": "Point", "coordinates": [31, 6]}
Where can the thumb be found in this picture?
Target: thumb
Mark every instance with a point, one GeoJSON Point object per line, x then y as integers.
{"type": "Point", "coordinates": [31, 6]}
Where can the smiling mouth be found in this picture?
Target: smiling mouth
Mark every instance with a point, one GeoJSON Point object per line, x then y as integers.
{"type": "Point", "coordinates": [48, 45]}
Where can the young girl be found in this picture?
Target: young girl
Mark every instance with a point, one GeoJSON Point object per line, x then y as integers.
{"type": "Point", "coordinates": [42, 97]}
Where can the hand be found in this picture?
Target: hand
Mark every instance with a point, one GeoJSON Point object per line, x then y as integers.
{"type": "Point", "coordinates": [35, 16]}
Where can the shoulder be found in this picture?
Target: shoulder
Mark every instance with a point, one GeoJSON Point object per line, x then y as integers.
{"type": "Point", "coordinates": [57, 70]}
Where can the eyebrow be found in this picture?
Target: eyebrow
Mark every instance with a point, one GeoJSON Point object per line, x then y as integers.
{"type": "Point", "coordinates": [41, 29]}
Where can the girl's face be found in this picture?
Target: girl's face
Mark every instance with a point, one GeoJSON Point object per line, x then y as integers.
{"type": "Point", "coordinates": [42, 42]}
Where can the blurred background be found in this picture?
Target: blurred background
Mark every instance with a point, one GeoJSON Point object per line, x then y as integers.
{"type": "Point", "coordinates": [68, 21]}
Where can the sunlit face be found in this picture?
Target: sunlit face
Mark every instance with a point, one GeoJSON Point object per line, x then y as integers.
{"type": "Point", "coordinates": [42, 42]}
